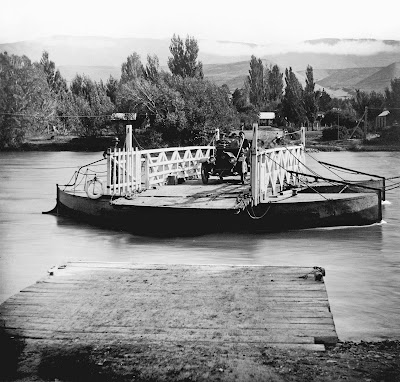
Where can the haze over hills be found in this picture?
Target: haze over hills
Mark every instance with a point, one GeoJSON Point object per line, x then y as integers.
{"type": "Point", "coordinates": [338, 63]}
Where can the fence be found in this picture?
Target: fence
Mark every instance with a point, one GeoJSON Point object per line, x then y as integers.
{"type": "Point", "coordinates": [270, 168]}
{"type": "Point", "coordinates": [131, 170]}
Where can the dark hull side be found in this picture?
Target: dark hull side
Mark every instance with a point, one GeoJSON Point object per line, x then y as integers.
{"type": "Point", "coordinates": [163, 221]}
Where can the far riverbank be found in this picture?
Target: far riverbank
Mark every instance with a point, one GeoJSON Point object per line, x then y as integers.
{"type": "Point", "coordinates": [94, 144]}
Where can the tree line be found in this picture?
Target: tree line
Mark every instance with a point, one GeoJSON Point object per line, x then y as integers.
{"type": "Point", "coordinates": [179, 107]}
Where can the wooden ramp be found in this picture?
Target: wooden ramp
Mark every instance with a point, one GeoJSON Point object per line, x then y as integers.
{"type": "Point", "coordinates": [101, 302]}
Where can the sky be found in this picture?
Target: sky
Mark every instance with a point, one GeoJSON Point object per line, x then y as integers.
{"type": "Point", "coordinates": [252, 21]}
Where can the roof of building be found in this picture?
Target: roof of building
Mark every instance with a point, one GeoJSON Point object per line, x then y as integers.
{"type": "Point", "coordinates": [267, 115]}
{"type": "Point", "coordinates": [384, 113]}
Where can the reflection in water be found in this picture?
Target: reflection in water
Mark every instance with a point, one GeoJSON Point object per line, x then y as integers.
{"type": "Point", "coordinates": [362, 263]}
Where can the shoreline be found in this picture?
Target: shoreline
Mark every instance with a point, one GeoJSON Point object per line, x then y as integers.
{"type": "Point", "coordinates": [186, 361]}
{"type": "Point", "coordinates": [88, 144]}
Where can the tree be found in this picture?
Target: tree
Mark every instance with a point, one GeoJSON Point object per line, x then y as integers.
{"type": "Point", "coordinates": [26, 101]}
{"type": "Point", "coordinates": [112, 85]}
{"type": "Point", "coordinates": [152, 70]}
{"type": "Point", "coordinates": [324, 101]}
{"type": "Point", "coordinates": [91, 104]}
{"type": "Point", "coordinates": [310, 104]}
{"type": "Point", "coordinates": [275, 83]}
{"type": "Point", "coordinates": [184, 62]}
{"type": "Point", "coordinates": [256, 83]}
{"type": "Point", "coordinates": [292, 102]}
{"type": "Point", "coordinates": [392, 96]}
{"type": "Point", "coordinates": [56, 82]}
{"type": "Point", "coordinates": [132, 69]}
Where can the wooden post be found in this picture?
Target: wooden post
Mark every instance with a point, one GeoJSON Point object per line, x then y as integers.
{"type": "Point", "coordinates": [303, 136]}
{"type": "Point", "coordinates": [254, 166]}
{"type": "Point", "coordinates": [128, 138]}
{"type": "Point", "coordinates": [147, 173]}
{"type": "Point", "coordinates": [217, 134]}
{"type": "Point", "coordinates": [138, 169]}
{"type": "Point", "coordinates": [109, 169]}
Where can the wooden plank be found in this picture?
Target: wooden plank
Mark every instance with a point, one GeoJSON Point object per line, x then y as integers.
{"type": "Point", "coordinates": [163, 303]}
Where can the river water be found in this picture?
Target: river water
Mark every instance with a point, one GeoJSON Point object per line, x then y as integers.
{"type": "Point", "coordinates": [362, 263]}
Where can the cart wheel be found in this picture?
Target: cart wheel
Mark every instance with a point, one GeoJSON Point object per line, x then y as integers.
{"type": "Point", "coordinates": [204, 174]}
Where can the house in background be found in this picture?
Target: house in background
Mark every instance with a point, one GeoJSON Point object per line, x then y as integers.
{"type": "Point", "coordinates": [381, 120]}
{"type": "Point", "coordinates": [266, 118]}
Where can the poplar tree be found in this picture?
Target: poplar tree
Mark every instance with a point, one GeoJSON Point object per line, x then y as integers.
{"type": "Point", "coordinates": [132, 69]}
{"type": "Point", "coordinates": [292, 102]}
{"type": "Point", "coordinates": [275, 83]}
{"type": "Point", "coordinates": [184, 62]}
{"type": "Point", "coordinates": [256, 83]}
{"type": "Point", "coordinates": [310, 103]}
{"type": "Point", "coordinates": [54, 78]}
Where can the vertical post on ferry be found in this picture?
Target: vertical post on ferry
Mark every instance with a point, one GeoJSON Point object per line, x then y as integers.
{"type": "Point", "coordinates": [108, 157]}
{"type": "Point", "coordinates": [303, 136]}
{"type": "Point", "coordinates": [128, 138]}
{"type": "Point", "coordinates": [129, 176]}
{"type": "Point", "coordinates": [254, 166]}
{"type": "Point", "coordinates": [217, 134]}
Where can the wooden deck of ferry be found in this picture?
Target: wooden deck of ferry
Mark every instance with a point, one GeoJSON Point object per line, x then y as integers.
{"type": "Point", "coordinates": [95, 303]}
{"type": "Point", "coordinates": [191, 194]}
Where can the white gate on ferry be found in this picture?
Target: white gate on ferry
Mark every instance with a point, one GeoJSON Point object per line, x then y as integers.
{"type": "Point", "coordinates": [270, 168]}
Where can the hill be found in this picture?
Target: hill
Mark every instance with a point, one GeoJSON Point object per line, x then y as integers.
{"type": "Point", "coordinates": [343, 78]}
{"type": "Point", "coordinates": [108, 51]}
{"type": "Point", "coordinates": [96, 73]}
{"type": "Point", "coordinates": [338, 63]}
{"type": "Point", "coordinates": [380, 80]}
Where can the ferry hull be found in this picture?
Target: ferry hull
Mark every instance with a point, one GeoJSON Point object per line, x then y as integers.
{"type": "Point", "coordinates": [347, 210]}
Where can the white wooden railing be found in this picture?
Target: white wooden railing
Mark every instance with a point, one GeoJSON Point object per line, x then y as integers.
{"type": "Point", "coordinates": [131, 170]}
{"type": "Point", "coordinates": [182, 162]}
{"type": "Point", "coordinates": [270, 168]}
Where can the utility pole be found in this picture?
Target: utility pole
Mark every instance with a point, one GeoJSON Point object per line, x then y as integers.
{"type": "Point", "coordinates": [365, 122]}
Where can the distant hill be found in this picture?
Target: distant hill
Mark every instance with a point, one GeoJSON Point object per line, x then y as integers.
{"type": "Point", "coordinates": [107, 51]}
{"type": "Point", "coordinates": [348, 78]}
{"type": "Point", "coordinates": [366, 79]}
{"type": "Point", "coordinates": [103, 51]}
{"type": "Point", "coordinates": [338, 63]}
{"type": "Point", "coordinates": [380, 80]}
{"type": "Point", "coordinates": [96, 73]}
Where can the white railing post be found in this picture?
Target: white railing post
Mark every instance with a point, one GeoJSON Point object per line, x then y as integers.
{"type": "Point", "coordinates": [147, 172]}
{"type": "Point", "coordinates": [109, 169]}
{"type": "Point", "coordinates": [128, 138]}
{"type": "Point", "coordinates": [303, 136]}
{"type": "Point", "coordinates": [254, 175]}
{"type": "Point", "coordinates": [138, 169]}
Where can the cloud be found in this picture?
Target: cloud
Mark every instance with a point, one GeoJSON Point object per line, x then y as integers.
{"type": "Point", "coordinates": [328, 46]}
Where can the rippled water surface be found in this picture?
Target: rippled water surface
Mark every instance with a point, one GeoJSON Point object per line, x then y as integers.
{"type": "Point", "coordinates": [362, 263]}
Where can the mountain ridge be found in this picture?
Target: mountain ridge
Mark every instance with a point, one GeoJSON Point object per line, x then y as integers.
{"type": "Point", "coordinates": [226, 61]}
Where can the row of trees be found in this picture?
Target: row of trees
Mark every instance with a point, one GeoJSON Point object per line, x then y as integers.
{"type": "Point", "coordinates": [174, 108]}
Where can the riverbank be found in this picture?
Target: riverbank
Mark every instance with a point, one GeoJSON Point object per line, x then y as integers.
{"type": "Point", "coordinates": [67, 143]}
{"type": "Point", "coordinates": [186, 361]}
{"type": "Point", "coordinates": [314, 143]}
